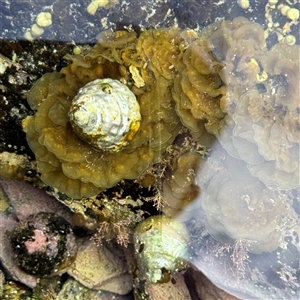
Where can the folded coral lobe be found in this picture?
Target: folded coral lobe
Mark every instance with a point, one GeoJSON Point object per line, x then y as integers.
{"type": "Point", "coordinates": [244, 210]}
{"type": "Point", "coordinates": [247, 95]}
{"type": "Point", "coordinates": [268, 117]}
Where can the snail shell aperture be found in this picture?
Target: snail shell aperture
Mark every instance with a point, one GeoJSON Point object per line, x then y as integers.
{"type": "Point", "coordinates": [160, 247]}
{"type": "Point", "coordinates": [105, 114]}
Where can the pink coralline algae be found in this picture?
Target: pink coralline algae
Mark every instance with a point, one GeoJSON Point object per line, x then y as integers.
{"type": "Point", "coordinates": [44, 244]}
{"type": "Point", "coordinates": [40, 243]}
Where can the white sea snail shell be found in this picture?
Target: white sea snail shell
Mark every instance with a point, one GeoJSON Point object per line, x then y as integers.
{"type": "Point", "coordinates": [160, 247]}
{"type": "Point", "coordinates": [105, 114]}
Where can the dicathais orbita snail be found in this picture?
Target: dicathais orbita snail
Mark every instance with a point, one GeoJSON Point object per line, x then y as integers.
{"type": "Point", "coordinates": [105, 114]}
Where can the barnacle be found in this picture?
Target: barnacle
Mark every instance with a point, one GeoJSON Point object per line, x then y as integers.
{"type": "Point", "coordinates": [72, 165]}
{"type": "Point", "coordinates": [160, 247]}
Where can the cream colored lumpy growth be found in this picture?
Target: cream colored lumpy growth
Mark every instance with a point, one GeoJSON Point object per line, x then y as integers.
{"type": "Point", "coordinates": [160, 246]}
{"type": "Point", "coordinates": [43, 20]}
{"type": "Point", "coordinates": [95, 4]}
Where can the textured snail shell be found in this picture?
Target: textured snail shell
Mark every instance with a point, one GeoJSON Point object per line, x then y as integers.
{"type": "Point", "coordinates": [160, 247]}
{"type": "Point", "coordinates": [105, 114]}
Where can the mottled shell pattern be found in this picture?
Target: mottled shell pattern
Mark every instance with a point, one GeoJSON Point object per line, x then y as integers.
{"type": "Point", "coordinates": [105, 114]}
{"type": "Point", "coordinates": [160, 247]}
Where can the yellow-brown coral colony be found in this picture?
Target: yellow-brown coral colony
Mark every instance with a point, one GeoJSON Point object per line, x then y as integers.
{"type": "Point", "coordinates": [223, 82]}
{"type": "Point", "coordinates": [247, 95]}
{"type": "Point", "coordinates": [73, 166]}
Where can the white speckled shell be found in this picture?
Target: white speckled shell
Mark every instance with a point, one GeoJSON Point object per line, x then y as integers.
{"type": "Point", "coordinates": [160, 245]}
{"type": "Point", "coordinates": [105, 114]}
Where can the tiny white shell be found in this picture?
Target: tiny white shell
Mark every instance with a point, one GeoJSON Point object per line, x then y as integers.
{"type": "Point", "coordinates": [105, 114]}
{"type": "Point", "coordinates": [244, 4]}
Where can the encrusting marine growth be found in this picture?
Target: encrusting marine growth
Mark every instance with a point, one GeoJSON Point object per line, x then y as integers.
{"type": "Point", "coordinates": [216, 79]}
{"type": "Point", "coordinates": [223, 83]}
{"type": "Point", "coordinates": [246, 95]}
{"type": "Point", "coordinates": [74, 166]}
{"type": "Point", "coordinates": [44, 244]}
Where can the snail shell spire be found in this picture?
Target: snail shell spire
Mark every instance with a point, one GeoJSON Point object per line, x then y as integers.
{"type": "Point", "coordinates": [105, 114]}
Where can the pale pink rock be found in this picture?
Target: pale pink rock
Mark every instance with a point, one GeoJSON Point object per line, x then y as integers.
{"type": "Point", "coordinates": [7, 224]}
{"type": "Point", "coordinates": [38, 244]}
{"type": "Point", "coordinates": [28, 200]}
{"type": "Point", "coordinates": [173, 290]}
{"type": "Point", "coordinates": [204, 288]}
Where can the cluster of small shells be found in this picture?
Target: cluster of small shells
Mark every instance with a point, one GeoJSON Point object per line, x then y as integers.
{"type": "Point", "coordinates": [291, 14]}
{"type": "Point", "coordinates": [95, 4]}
